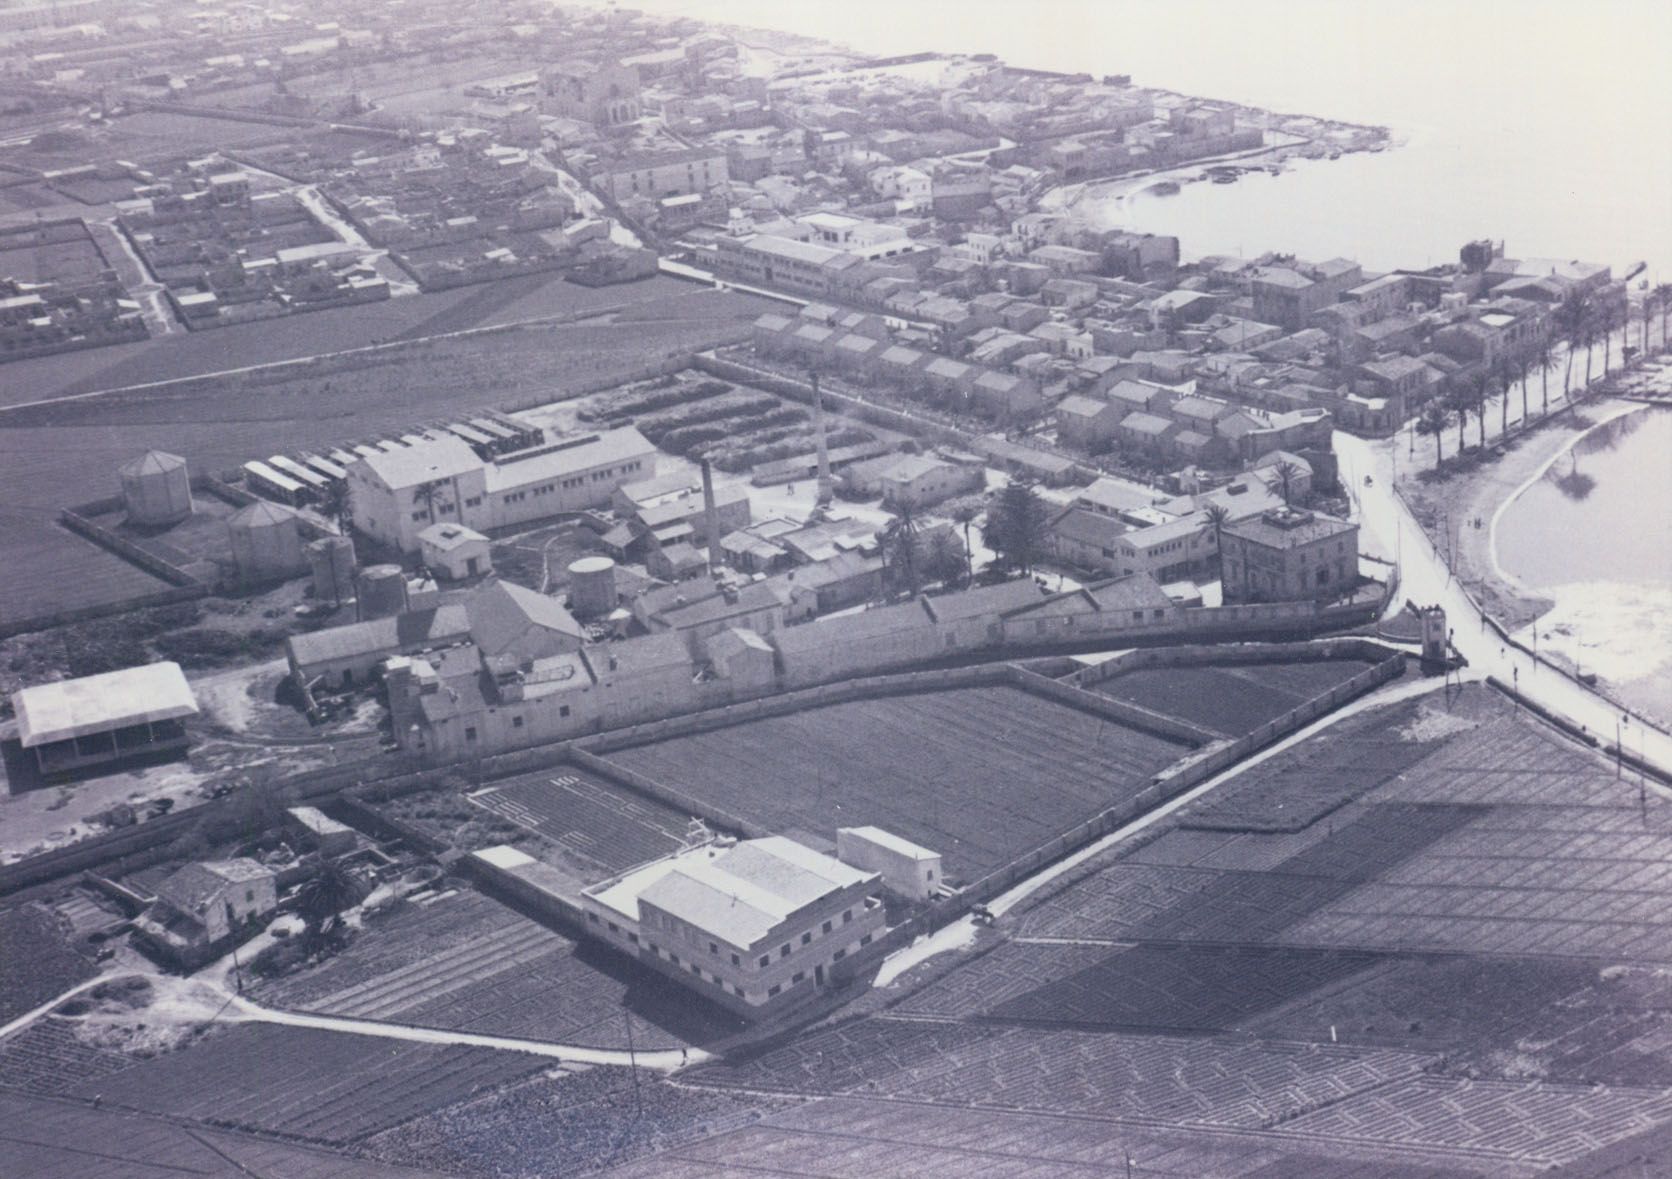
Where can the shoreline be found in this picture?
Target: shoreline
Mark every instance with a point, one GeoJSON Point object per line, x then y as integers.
{"type": "Point", "coordinates": [1541, 620]}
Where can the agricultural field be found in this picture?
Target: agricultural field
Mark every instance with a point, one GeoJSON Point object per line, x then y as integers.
{"type": "Point", "coordinates": [1291, 791]}
{"type": "Point", "coordinates": [302, 1083]}
{"type": "Point", "coordinates": [143, 138]}
{"type": "Point", "coordinates": [860, 1138]}
{"type": "Point", "coordinates": [564, 1125]}
{"type": "Point", "coordinates": [602, 826]}
{"type": "Point", "coordinates": [1175, 1080]}
{"type": "Point", "coordinates": [49, 1139]}
{"type": "Point", "coordinates": [1234, 699]}
{"type": "Point", "coordinates": [36, 960]}
{"type": "Point", "coordinates": [48, 1058]}
{"type": "Point", "coordinates": [980, 775]}
{"type": "Point", "coordinates": [467, 963]}
{"type": "Point", "coordinates": [1184, 989]}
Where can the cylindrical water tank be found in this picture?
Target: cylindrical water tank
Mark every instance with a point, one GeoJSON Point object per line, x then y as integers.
{"type": "Point", "coordinates": [382, 591]}
{"type": "Point", "coordinates": [266, 542]}
{"type": "Point", "coordinates": [332, 558]}
{"type": "Point", "coordinates": [591, 587]}
{"type": "Point", "coordinates": [156, 489]}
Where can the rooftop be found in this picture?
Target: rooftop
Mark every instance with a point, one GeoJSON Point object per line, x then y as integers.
{"type": "Point", "coordinates": [99, 703]}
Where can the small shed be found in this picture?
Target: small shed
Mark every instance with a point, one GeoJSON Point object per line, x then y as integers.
{"type": "Point", "coordinates": [453, 552]}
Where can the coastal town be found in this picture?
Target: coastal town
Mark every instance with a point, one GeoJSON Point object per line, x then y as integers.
{"type": "Point", "coordinates": [587, 592]}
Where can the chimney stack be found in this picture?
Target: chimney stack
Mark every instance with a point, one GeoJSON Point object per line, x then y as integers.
{"type": "Point", "coordinates": [711, 517]}
{"type": "Point", "coordinates": [825, 492]}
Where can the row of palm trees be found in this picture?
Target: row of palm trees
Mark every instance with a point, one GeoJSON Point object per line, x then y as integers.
{"type": "Point", "coordinates": [1580, 322]}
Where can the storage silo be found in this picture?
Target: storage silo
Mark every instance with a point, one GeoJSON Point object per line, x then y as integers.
{"type": "Point", "coordinates": [266, 542]}
{"type": "Point", "coordinates": [591, 587]}
{"type": "Point", "coordinates": [332, 558]}
{"type": "Point", "coordinates": [156, 489]}
{"type": "Point", "coordinates": [382, 591]}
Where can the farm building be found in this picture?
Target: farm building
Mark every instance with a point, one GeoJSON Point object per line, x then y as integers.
{"type": "Point", "coordinates": [912, 871]}
{"type": "Point", "coordinates": [318, 830]}
{"type": "Point", "coordinates": [915, 479]}
{"type": "Point", "coordinates": [103, 719]}
{"type": "Point", "coordinates": [203, 907]}
{"type": "Point", "coordinates": [754, 926]}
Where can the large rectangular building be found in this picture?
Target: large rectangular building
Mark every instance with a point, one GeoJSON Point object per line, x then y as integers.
{"type": "Point", "coordinates": [1288, 556]}
{"type": "Point", "coordinates": [397, 494]}
{"type": "Point", "coordinates": [753, 926]}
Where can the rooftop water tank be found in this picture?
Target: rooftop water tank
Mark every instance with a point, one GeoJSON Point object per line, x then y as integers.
{"type": "Point", "coordinates": [156, 489]}
{"type": "Point", "coordinates": [332, 558]}
{"type": "Point", "coordinates": [592, 587]}
{"type": "Point", "coordinates": [382, 591]}
{"type": "Point", "coordinates": [266, 542]}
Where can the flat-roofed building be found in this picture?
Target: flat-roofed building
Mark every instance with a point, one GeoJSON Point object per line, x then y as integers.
{"type": "Point", "coordinates": [911, 871]}
{"type": "Point", "coordinates": [399, 492]}
{"type": "Point", "coordinates": [755, 926]}
{"type": "Point", "coordinates": [102, 719]}
{"type": "Point", "coordinates": [1288, 556]}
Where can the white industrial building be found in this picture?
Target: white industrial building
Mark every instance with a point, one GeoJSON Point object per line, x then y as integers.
{"type": "Point", "coordinates": [396, 494]}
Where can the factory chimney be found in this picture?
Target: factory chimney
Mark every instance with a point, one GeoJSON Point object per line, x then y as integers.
{"type": "Point", "coordinates": [710, 517]}
{"type": "Point", "coordinates": [825, 493]}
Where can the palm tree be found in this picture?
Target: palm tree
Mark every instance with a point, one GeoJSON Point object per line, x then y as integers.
{"type": "Point", "coordinates": [1544, 355]}
{"type": "Point", "coordinates": [1218, 515]}
{"type": "Point", "coordinates": [965, 514]}
{"type": "Point", "coordinates": [1434, 419]}
{"type": "Point", "coordinates": [1521, 362]}
{"type": "Point", "coordinates": [1458, 402]}
{"type": "Point", "coordinates": [1571, 319]}
{"type": "Point", "coordinates": [335, 505]}
{"type": "Point", "coordinates": [944, 559]}
{"type": "Point", "coordinates": [1611, 316]}
{"type": "Point", "coordinates": [1503, 376]}
{"type": "Point", "coordinates": [325, 896]}
{"type": "Point", "coordinates": [900, 540]}
{"type": "Point", "coordinates": [1286, 473]}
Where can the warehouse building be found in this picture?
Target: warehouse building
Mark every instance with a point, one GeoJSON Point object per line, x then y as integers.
{"type": "Point", "coordinates": [754, 925]}
{"type": "Point", "coordinates": [104, 719]}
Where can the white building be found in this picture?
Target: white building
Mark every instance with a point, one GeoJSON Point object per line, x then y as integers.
{"type": "Point", "coordinates": [905, 868]}
{"type": "Point", "coordinates": [396, 494]}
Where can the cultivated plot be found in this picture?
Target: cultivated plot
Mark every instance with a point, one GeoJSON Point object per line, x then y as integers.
{"type": "Point", "coordinates": [1232, 700]}
{"type": "Point", "coordinates": [600, 823]}
{"type": "Point", "coordinates": [977, 774]}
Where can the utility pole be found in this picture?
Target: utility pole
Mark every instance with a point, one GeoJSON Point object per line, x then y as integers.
{"type": "Point", "coordinates": [825, 492]}
{"type": "Point", "coordinates": [633, 1064]}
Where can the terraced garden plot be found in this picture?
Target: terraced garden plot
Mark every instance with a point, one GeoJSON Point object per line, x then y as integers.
{"type": "Point", "coordinates": [855, 1138]}
{"type": "Point", "coordinates": [1305, 782]}
{"type": "Point", "coordinates": [47, 1058]}
{"type": "Point", "coordinates": [565, 1125]}
{"type": "Point", "coordinates": [410, 937]}
{"type": "Point", "coordinates": [300, 1082]}
{"type": "Point", "coordinates": [36, 961]}
{"type": "Point", "coordinates": [1175, 988]}
{"type": "Point", "coordinates": [1466, 1006]}
{"type": "Point", "coordinates": [1133, 901]}
{"type": "Point", "coordinates": [605, 825]}
{"type": "Point", "coordinates": [977, 774]}
{"type": "Point", "coordinates": [1181, 1082]}
{"type": "Point", "coordinates": [1232, 700]}
{"type": "Point", "coordinates": [1533, 1123]}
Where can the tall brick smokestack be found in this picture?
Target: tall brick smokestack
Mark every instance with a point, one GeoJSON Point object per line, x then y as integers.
{"type": "Point", "coordinates": [710, 517]}
{"type": "Point", "coordinates": [826, 491]}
